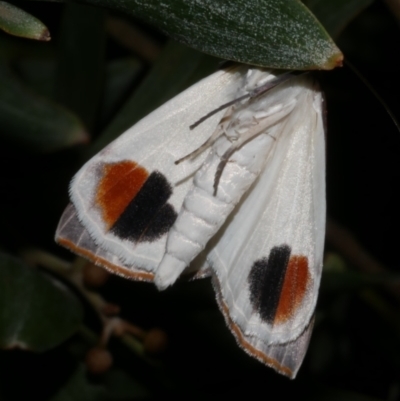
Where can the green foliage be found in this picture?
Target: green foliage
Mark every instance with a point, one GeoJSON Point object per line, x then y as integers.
{"type": "Point", "coordinates": [336, 14]}
{"type": "Point", "coordinates": [19, 23]}
{"type": "Point", "coordinates": [36, 312]}
{"type": "Point", "coordinates": [34, 122]}
{"type": "Point", "coordinates": [269, 33]}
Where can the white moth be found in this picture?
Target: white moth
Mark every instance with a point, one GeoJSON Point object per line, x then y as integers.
{"type": "Point", "coordinates": [241, 197]}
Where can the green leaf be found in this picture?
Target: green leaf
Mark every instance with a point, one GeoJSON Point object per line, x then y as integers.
{"type": "Point", "coordinates": [19, 23]}
{"type": "Point", "coordinates": [36, 312]}
{"type": "Point", "coordinates": [336, 14]}
{"type": "Point", "coordinates": [269, 33]}
{"type": "Point", "coordinates": [33, 121]}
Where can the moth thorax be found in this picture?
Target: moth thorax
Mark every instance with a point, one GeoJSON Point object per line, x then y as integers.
{"type": "Point", "coordinates": [256, 78]}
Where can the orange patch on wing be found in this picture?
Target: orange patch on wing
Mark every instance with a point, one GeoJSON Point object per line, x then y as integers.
{"type": "Point", "coordinates": [294, 288]}
{"type": "Point", "coordinates": [119, 185]}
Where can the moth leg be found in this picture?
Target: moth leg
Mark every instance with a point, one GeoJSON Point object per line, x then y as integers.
{"type": "Point", "coordinates": [215, 135]}
{"type": "Point", "coordinates": [261, 126]}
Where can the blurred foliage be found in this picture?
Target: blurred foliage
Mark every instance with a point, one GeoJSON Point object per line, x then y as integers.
{"type": "Point", "coordinates": [57, 311]}
{"type": "Point", "coordinates": [102, 71]}
{"type": "Point", "coordinates": [336, 14]}
{"type": "Point", "coordinates": [34, 122]}
{"type": "Point", "coordinates": [17, 22]}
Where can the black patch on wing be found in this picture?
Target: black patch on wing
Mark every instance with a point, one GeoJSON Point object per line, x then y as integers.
{"type": "Point", "coordinates": [148, 216]}
{"type": "Point", "coordinates": [266, 281]}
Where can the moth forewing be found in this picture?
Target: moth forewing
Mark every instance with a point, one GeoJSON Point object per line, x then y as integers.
{"type": "Point", "coordinates": [149, 148]}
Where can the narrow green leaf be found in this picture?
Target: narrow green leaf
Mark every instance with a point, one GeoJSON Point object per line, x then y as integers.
{"type": "Point", "coordinates": [336, 14]}
{"type": "Point", "coordinates": [13, 48]}
{"type": "Point", "coordinates": [36, 312]}
{"type": "Point", "coordinates": [32, 121]}
{"type": "Point", "coordinates": [269, 33]}
{"type": "Point", "coordinates": [19, 23]}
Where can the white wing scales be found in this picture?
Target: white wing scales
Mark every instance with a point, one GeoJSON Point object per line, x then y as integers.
{"type": "Point", "coordinates": [154, 144]}
{"type": "Point", "coordinates": [285, 207]}
{"type": "Point", "coordinates": [139, 214]}
{"type": "Point", "coordinates": [254, 127]}
{"type": "Point", "coordinates": [73, 235]}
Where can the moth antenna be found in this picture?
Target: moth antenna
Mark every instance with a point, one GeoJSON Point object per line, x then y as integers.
{"type": "Point", "coordinates": [251, 133]}
{"type": "Point", "coordinates": [256, 92]}
{"type": "Point", "coordinates": [222, 107]}
{"type": "Point", "coordinates": [275, 82]}
{"type": "Point", "coordinates": [205, 145]}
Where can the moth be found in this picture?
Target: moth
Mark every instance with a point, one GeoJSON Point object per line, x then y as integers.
{"type": "Point", "coordinates": [240, 198]}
